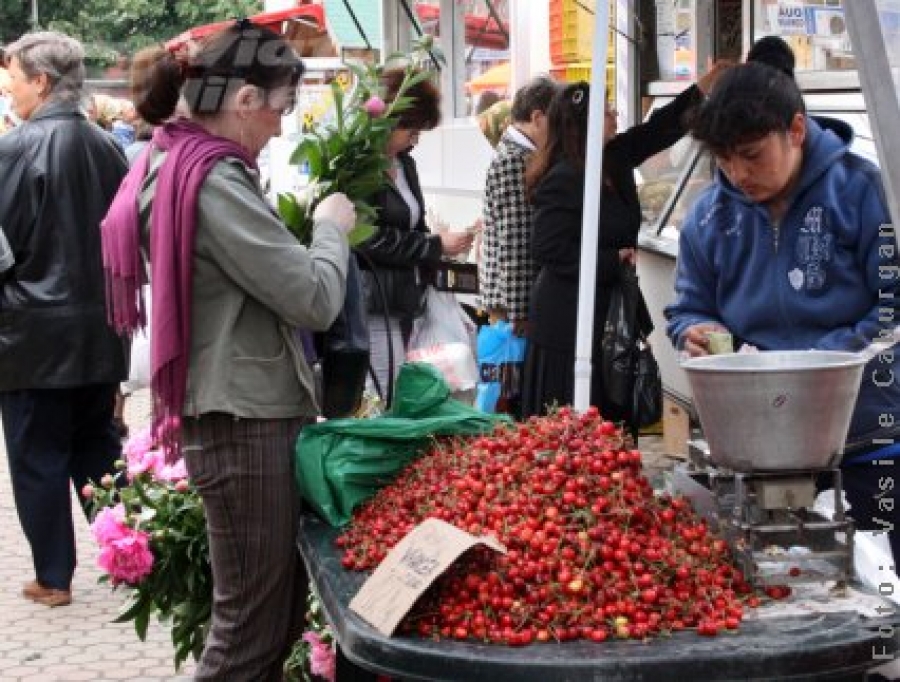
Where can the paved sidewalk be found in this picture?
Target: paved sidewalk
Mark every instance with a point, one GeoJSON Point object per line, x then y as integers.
{"type": "Point", "coordinates": [80, 641]}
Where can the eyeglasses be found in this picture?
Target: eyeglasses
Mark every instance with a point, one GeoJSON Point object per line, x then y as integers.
{"type": "Point", "coordinates": [283, 100]}
{"type": "Point", "coordinates": [286, 108]}
{"type": "Point", "coordinates": [411, 132]}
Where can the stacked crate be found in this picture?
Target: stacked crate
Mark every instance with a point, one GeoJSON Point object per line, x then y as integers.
{"type": "Point", "coordinates": [571, 41]}
{"type": "Point", "coordinates": [571, 30]}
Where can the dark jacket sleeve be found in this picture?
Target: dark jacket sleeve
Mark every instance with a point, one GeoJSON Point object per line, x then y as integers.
{"type": "Point", "coordinates": [18, 203]}
{"type": "Point", "coordinates": [556, 240]}
{"type": "Point", "coordinates": [394, 244]}
{"type": "Point", "coordinates": [663, 129]}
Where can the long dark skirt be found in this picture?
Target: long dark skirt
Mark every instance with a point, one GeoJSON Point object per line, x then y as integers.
{"type": "Point", "coordinates": [549, 379]}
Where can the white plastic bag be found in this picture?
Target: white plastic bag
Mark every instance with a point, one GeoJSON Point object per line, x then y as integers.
{"type": "Point", "coordinates": [139, 371]}
{"type": "Point", "coordinates": [442, 336]}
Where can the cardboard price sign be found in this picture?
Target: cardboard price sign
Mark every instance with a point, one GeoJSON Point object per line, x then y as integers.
{"type": "Point", "coordinates": [409, 568]}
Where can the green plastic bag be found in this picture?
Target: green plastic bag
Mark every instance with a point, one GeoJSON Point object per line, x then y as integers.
{"type": "Point", "coordinates": [341, 462]}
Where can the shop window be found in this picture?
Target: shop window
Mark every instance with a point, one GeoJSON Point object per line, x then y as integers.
{"type": "Point", "coordinates": [482, 65]}
{"type": "Point", "coordinates": [815, 29]}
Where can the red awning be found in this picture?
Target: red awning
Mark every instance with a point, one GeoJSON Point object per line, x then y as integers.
{"type": "Point", "coordinates": [274, 21]}
{"type": "Point", "coordinates": [481, 31]}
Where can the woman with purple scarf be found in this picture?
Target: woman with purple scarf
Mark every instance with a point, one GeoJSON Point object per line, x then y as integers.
{"type": "Point", "coordinates": [229, 283]}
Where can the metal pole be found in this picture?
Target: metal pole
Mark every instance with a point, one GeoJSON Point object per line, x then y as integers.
{"type": "Point", "coordinates": [34, 15]}
{"type": "Point", "coordinates": [880, 93]}
{"type": "Point", "coordinates": [590, 218]}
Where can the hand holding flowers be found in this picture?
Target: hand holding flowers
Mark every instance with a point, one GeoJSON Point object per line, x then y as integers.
{"type": "Point", "coordinates": [349, 153]}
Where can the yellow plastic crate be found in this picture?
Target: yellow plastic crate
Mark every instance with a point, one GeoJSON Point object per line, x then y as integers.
{"type": "Point", "coordinates": [571, 30]}
{"type": "Point", "coordinates": [581, 71]}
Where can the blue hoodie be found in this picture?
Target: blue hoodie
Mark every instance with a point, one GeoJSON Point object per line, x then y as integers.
{"type": "Point", "coordinates": [832, 284]}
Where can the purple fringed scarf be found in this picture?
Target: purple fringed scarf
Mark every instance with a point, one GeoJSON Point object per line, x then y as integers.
{"type": "Point", "coordinates": [191, 153]}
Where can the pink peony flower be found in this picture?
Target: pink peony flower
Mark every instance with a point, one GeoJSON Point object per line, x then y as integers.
{"type": "Point", "coordinates": [375, 106]}
{"type": "Point", "coordinates": [322, 659]}
{"type": "Point", "coordinates": [127, 559]}
{"type": "Point", "coordinates": [148, 461]}
{"type": "Point", "coordinates": [109, 525]}
{"type": "Point", "coordinates": [139, 444]}
{"type": "Point", "coordinates": [144, 456]}
{"type": "Point", "coordinates": [172, 472]}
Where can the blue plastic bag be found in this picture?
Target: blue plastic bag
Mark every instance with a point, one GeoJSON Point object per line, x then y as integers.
{"type": "Point", "coordinates": [501, 355]}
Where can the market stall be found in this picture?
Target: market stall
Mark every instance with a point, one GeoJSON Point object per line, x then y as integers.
{"type": "Point", "coordinates": [818, 646]}
{"type": "Point", "coordinates": [587, 572]}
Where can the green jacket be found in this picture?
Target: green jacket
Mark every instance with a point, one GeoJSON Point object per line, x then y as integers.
{"type": "Point", "coordinates": [253, 284]}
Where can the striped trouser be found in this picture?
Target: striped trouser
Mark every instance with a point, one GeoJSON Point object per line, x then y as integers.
{"type": "Point", "coordinates": [243, 469]}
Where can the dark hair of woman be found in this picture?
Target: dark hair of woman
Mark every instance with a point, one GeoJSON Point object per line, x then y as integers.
{"type": "Point", "coordinates": [239, 55]}
{"type": "Point", "coordinates": [775, 52]}
{"type": "Point", "coordinates": [425, 112]}
{"type": "Point", "coordinates": [567, 128]}
{"type": "Point", "coordinates": [749, 102]}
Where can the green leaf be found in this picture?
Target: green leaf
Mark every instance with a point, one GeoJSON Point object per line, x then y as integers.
{"type": "Point", "coordinates": [140, 624]}
{"type": "Point", "coordinates": [338, 94]}
{"type": "Point", "coordinates": [290, 210]}
{"type": "Point", "coordinates": [361, 233]}
{"type": "Point", "coordinates": [310, 150]}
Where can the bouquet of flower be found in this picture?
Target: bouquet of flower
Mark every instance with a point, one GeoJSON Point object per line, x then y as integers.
{"type": "Point", "coordinates": [349, 154]}
{"type": "Point", "coordinates": [149, 523]}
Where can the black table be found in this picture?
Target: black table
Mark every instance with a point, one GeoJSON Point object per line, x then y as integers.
{"type": "Point", "coordinates": [823, 647]}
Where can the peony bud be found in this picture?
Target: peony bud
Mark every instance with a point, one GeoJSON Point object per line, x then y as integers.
{"type": "Point", "coordinates": [107, 481]}
{"type": "Point", "coordinates": [87, 492]}
{"type": "Point", "coordinates": [375, 106]}
{"type": "Point", "coordinates": [120, 464]}
{"type": "Point", "coordinates": [182, 486]}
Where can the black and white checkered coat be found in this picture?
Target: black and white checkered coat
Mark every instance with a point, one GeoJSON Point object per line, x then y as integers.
{"type": "Point", "coordinates": [506, 271]}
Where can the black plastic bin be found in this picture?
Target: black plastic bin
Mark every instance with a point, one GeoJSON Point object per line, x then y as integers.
{"type": "Point", "coordinates": [824, 648]}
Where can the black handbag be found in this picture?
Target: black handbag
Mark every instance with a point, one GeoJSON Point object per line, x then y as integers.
{"type": "Point", "coordinates": [621, 334]}
{"type": "Point", "coordinates": [401, 289]}
{"type": "Point", "coordinates": [344, 350]}
{"type": "Point", "coordinates": [647, 405]}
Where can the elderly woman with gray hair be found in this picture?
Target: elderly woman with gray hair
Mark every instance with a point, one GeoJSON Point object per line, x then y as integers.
{"type": "Point", "coordinates": [60, 362]}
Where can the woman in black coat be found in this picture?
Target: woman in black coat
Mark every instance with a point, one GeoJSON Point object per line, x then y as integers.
{"type": "Point", "coordinates": [396, 261]}
{"type": "Point", "coordinates": [555, 183]}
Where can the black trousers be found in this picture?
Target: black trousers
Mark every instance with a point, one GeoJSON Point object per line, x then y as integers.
{"type": "Point", "coordinates": [56, 438]}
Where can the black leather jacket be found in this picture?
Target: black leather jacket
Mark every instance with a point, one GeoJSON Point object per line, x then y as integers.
{"type": "Point", "coordinates": [58, 175]}
{"type": "Point", "coordinates": [401, 256]}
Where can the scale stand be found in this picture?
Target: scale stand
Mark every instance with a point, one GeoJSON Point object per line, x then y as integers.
{"type": "Point", "coordinates": [769, 522]}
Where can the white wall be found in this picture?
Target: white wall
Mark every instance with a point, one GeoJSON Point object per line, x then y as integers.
{"type": "Point", "coordinates": [452, 161]}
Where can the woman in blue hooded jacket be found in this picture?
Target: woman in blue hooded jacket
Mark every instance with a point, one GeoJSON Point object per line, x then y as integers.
{"type": "Point", "coordinates": [792, 248]}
